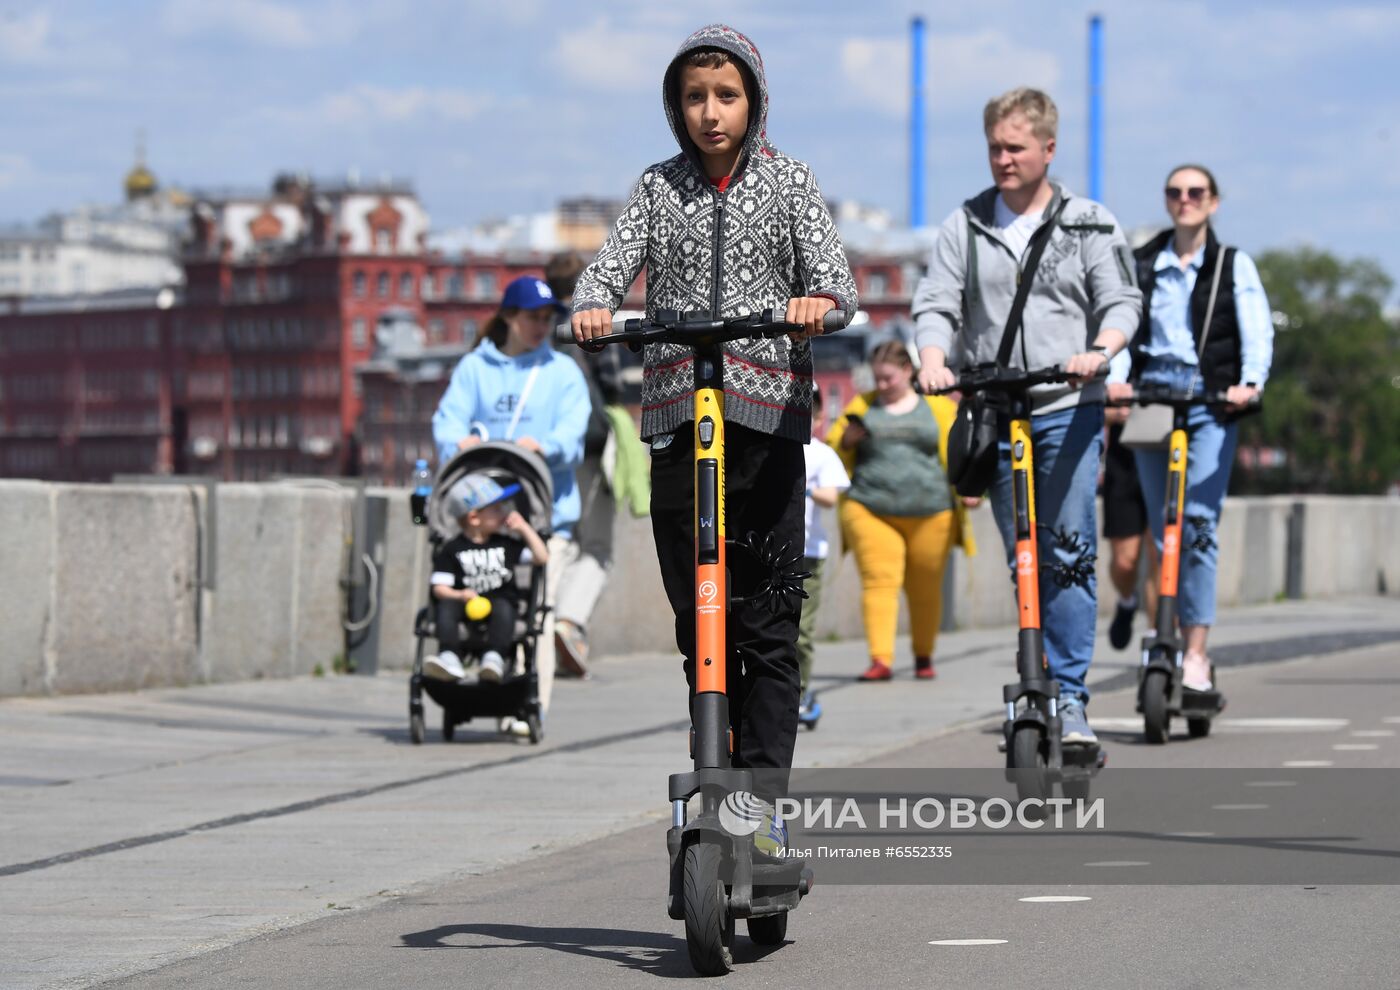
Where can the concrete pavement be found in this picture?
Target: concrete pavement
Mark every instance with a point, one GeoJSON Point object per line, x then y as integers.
{"type": "Point", "coordinates": [143, 829]}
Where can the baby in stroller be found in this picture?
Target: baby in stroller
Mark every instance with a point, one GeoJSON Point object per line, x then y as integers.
{"type": "Point", "coordinates": [475, 573]}
{"type": "Point", "coordinates": [489, 510]}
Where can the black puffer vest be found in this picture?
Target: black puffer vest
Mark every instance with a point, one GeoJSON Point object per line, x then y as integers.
{"type": "Point", "coordinates": [1221, 362]}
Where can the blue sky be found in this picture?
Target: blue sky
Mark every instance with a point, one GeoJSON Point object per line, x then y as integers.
{"type": "Point", "coordinates": [501, 106]}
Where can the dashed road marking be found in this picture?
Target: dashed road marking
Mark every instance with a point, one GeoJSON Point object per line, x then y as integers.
{"type": "Point", "coordinates": [1355, 747]}
{"type": "Point", "coordinates": [1374, 733]}
{"type": "Point", "coordinates": [1120, 862]}
{"type": "Point", "coordinates": [1307, 763]}
{"type": "Point", "coordinates": [1239, 807]}
{"type": "Point", "coordinates": [969, 941]}
{"type": "Point", "coordinates": [1053, 899]}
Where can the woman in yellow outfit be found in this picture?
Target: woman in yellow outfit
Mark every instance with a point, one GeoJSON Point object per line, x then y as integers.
{"type": "Point", "coordinates": [900, 515]}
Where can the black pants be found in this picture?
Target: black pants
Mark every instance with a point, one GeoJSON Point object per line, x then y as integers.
{"type": "Point", "coordinates": [495, 632]}
{"type": "Point", "coordinates": [765, 477]}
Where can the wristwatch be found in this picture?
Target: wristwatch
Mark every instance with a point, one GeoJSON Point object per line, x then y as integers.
{"type": "Point", "coordinates": [1100, 348]}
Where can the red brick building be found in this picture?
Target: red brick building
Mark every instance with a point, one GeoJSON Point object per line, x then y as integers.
{"type": "Point", "coordinates": [249, 370]}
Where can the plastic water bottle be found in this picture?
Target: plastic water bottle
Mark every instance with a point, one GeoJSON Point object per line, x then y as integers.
{"type": "Point", "coordinates": [422, 488]}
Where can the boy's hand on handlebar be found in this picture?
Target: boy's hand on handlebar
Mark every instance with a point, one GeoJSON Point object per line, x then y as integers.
{"type": "Point", "coordinates": [530, 444]}
{"type": "Point", "coordinates": [1083, 368]}
{"type": "Point", "coordinates": [935, 378]}
{"type": "Point", "coordinates": [470, 440]}
{"type": "Point", "coordinates": [591, 323]}
{"type": "Point", "coordinates": [1238, 397]}
{"type": "Point", "coordinates": [808, 311]}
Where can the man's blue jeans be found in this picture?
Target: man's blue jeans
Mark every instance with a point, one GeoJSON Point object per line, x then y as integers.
{"type": "Point", "coordinates": [1068, 446]}
{"type": "Point", "coordinates": [1209, 456]}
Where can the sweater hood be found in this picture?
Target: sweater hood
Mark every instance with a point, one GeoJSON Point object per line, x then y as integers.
{"type": "Point", "coordinates": [728, 40]}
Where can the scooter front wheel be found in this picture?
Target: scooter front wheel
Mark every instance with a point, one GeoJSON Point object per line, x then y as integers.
{"type": "Point", "coordinates": [1156, 720]}
{"type": "Point", "coordinates": [709, 927]}
{"type": "Point", "coordinates": [1028, 760]}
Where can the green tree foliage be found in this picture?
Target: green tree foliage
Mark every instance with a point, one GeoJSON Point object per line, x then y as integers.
{"type": "Point", "coordinates": [1333, 398]}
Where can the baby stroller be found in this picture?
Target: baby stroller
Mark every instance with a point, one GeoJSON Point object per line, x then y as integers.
{"type": "Point", "coordinates": [517, 694]}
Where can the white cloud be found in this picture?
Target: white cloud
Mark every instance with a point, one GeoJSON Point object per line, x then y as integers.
{"type": "Point", "coordinates": [605, 57]}
{"type": "Point", "coordinates": [24, 39]}
{"type": "Point", "coordinates": [961, 69]}
{"type": "Point", "coordinates": [14, 169]}
{"type": "Point", "coordinates": [381, 103]}
{"type": "Point", "coordinates": [263, 22]}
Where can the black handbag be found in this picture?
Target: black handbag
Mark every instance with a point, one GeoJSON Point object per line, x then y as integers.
{"type": "Point", "coordinates": [973, 438]}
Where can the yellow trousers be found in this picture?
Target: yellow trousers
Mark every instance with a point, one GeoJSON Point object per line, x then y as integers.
{"type": "Point", "coordinates": [894, 552]}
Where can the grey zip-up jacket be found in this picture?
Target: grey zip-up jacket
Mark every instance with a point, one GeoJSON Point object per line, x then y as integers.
{"type": "Point", "coordinates": [1084, 283]}
{"type": "Point", "coordinates": [767, 239]}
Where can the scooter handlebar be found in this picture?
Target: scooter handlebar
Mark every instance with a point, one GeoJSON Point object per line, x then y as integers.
{"type": "Point", "coordinates": [765, 324]}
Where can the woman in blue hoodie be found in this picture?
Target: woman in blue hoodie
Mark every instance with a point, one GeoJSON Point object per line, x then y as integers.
{"type": "Point", "coordinates": [513, 386]}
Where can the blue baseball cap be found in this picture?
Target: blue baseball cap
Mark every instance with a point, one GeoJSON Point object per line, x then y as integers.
{"type": "Point", "coordinates": [528, 292]}
{"type": "Point", "coordinates": [476, 491]}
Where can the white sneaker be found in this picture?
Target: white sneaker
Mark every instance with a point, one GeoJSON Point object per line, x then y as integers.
{"type": "Point", "coordinates": [493, 667]}
{"type": "Point", "coordinates": [446, 666]}
{"type": "Point", "coordinates": [514, 727]}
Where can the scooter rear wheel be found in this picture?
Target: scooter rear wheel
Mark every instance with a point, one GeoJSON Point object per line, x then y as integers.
{"type": "Point", "coordinates": [1028, 760]}
{"type": "Point", "coordinates": [1156, 720]}
{"type": "Point", "coordinates": [768, 929]}
{"type": "Point", "coordinates": [709, 927]}
{"type": "Point", "coordinates": [415, 728]}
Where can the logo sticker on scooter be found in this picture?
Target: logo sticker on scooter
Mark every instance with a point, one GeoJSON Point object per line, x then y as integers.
{"type": "Point", "coordinates": [741, 813]}
{"type": "Point", "coordinates": [708, 591]}
{"type": "Point", "coordinates": [1023, 562]}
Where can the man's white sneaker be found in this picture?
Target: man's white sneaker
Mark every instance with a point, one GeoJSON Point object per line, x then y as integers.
{"type": "Point", "coordinates": [444, 667]}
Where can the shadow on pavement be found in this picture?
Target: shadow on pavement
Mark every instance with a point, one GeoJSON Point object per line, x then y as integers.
{"type": "Point", "coordinates": [658, 953]}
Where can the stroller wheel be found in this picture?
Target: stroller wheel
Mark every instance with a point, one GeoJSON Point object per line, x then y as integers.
{"type": "Point", "coordinates": [536, 728]}
{"type": "Point", "coordinates": [415, 728]}
{"type": "Point", "coordinates": [449, 727]}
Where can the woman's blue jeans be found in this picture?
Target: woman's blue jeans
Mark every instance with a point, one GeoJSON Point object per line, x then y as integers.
{"type": "Point", "coordinates": [1210, 455]}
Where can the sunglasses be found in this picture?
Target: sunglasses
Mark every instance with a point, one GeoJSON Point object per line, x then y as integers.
{"type": "Point", "coordinates": [1195, 193]}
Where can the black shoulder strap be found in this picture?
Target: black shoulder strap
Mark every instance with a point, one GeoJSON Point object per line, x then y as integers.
{"type": "Point", "coordinates": [1035, 249]}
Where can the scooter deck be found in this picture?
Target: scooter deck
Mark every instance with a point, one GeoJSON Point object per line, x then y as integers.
{"type": "Point", "coordinates": [1200, 704]}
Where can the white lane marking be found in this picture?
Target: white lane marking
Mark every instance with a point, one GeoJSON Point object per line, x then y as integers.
{"type": "Point", "coordinates": [1374, 733]}
{"type": "Point", "coordinates": [1307, 763]}
{"type": "Point", "coordinates": [969, 941]}
{"type": "Point", "coordinates": [1271, 783]}
{"type": "Point", "coordinates": [1240, 724]}
{"type": "Point", "coordinates": [1355, 747]}
{"type": "Point", "coordinates": [1188, 835]}
{"type": "Point", "coordinates": [1120, 862]}
{"type": "Point", "coordinates": [1391, 720]}
{"type": "Point", "coordinates": [1238, 807]}
{"type": "Point", "coordinates": [1283, 723]}
{"type": "Point", "coordinates": [1053, 899]}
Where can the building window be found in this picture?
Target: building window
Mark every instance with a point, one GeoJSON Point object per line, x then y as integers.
{"type": "Point", "coordinates": [429, 286]}
{"type": "Point", "coordinates": [382, 285]}
{"type": "Point", "coordinates": [358, 336]}
{"type": "Point", "coordinates": [468, 331]}
{"type": "Point", "coordinates": [485, 285]}
{"type": "Point", "coordinates": [455, 284]}
{"type": "Point", "coordinates": [435, 331]}
{"type": "Point", "coordinates": [406, 285]}
{"type": "Point", "coordinates": [383, 241]}
{"type": "Point", "coordinates": [359, 283]}
{"type": "Point", "coordinates": [876, 285]}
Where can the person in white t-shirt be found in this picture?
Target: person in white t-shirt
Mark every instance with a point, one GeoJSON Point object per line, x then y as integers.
{"type": "Point", "coordinates": [826, 479]}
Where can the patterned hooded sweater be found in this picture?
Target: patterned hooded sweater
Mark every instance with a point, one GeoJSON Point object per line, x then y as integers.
{"type": "Point", "coordinates": [767, 238]}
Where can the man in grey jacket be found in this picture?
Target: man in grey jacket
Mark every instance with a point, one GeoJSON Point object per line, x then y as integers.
{"type": "Point", "coordinates": [1082, 307]}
